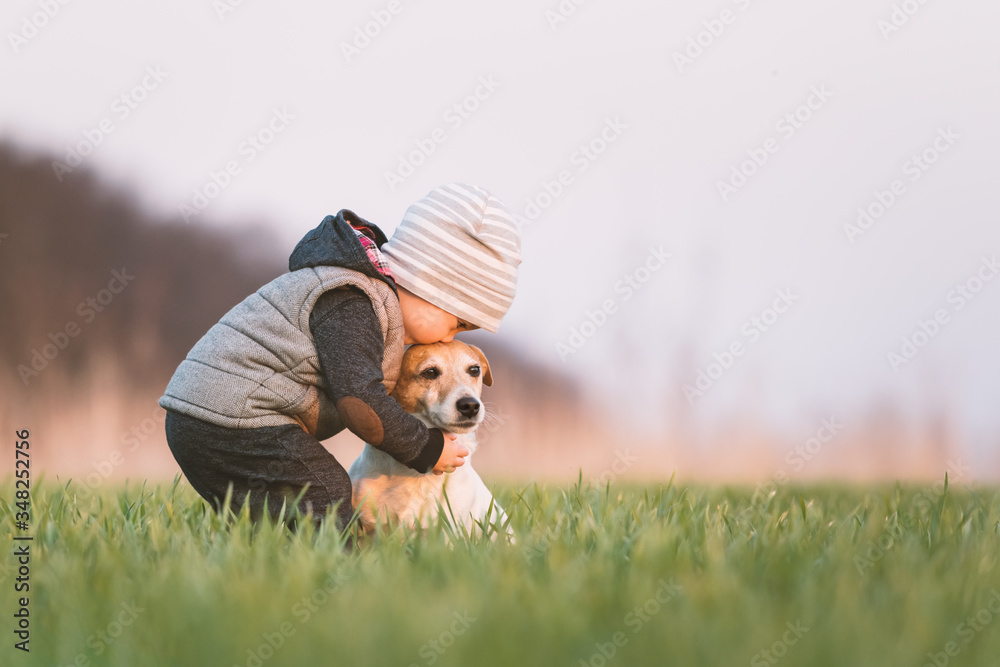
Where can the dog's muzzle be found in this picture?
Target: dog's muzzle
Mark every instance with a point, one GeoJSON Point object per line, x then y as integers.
{"type": "Point", "coordinates": [467, 406]}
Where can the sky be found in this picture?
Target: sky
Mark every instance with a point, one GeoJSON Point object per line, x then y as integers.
{"type": "Point", "coordinates": [679, 169]}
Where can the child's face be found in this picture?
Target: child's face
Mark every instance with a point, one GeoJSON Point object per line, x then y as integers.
{"type": "Point", "coordinates": [425, 323]}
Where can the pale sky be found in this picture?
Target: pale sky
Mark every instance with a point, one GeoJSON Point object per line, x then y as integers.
{"type": "Point", "coordinates": [530, 93]}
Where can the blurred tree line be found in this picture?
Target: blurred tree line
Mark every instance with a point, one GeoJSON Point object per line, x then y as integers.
{"type": "Point", "coordinates": [60, 243]}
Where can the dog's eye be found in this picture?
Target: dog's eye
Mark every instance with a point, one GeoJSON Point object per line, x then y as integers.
{"type": "Point", "coordinates": [431, 373]}
{"type": "Point", "coordinates": [474, 371]}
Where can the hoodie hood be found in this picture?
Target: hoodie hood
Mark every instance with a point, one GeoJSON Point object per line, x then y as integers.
{"type": "Point", "coordinates": [334, 243]}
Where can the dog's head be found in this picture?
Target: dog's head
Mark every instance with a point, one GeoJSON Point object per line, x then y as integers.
{"type": "Point", "coordinates": [442, 383]}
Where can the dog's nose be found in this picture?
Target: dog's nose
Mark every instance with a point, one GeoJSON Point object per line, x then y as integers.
{"type": "Point", "coordinates": [468, 406]}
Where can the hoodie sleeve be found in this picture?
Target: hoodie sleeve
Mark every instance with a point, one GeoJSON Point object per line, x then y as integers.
{"type": "Point", "coordinates": [350, 348]}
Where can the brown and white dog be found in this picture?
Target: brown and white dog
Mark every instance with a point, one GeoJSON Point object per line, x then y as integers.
{"type": "Point", "coordinates": [440, 384]}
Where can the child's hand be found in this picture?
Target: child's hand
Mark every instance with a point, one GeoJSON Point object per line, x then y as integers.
{"type": "Point", "coordinates": [452, 456]}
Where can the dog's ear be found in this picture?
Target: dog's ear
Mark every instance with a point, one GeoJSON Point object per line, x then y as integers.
{"type": "Point", "coordinates": [487, 375]}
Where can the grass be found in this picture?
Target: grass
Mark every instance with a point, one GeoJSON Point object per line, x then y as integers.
{"type": "Point", "coordinates": [665, 575]}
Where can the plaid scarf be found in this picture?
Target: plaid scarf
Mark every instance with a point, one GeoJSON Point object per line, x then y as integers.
{"type": "Point", "coordinates": [374, 254]}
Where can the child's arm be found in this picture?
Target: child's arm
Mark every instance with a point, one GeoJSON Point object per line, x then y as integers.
{"type": "Point", "coordinates": [349, 342]}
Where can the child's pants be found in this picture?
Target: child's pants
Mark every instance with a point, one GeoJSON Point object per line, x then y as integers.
{"type": "Point", "coordinates": [274, 462]}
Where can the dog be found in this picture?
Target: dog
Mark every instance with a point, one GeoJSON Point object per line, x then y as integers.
{"type": "Point", "coordinates": [440, 384]}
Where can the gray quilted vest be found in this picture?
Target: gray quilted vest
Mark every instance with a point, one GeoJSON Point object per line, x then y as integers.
{"type": "Point", "coordinates": [258, 366]}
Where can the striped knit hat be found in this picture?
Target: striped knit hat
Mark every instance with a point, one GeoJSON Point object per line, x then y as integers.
{"type": "Point", "coordinates": [458, 248]}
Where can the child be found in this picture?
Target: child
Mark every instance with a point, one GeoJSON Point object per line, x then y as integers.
{"type": "Point", "coordinates": [319, 348]}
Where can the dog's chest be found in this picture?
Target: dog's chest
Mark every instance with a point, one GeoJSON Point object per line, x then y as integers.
{"type": "Point", "coordinates": [384, 485]}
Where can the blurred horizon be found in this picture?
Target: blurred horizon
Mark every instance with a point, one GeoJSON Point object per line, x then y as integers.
{"type": "Point", "coordinates": [103, 380]}
{"type": "Point", "coordinates": [740, 222]}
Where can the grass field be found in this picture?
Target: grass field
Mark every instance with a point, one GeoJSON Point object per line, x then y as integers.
{"type": "Point", "coordinates": [665, 575]}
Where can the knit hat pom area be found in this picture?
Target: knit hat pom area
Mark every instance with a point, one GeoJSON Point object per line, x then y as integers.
{"type": "Point", "coordinates": [458, 248]}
